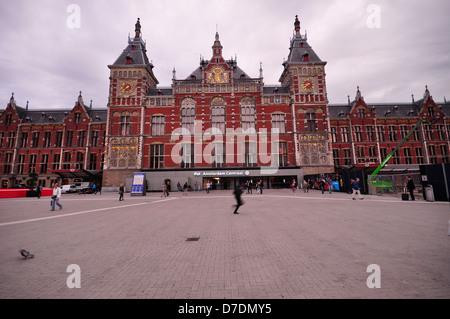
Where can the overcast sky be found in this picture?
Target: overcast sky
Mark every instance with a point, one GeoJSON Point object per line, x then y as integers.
{"type": "Point", "coordinates": [390, 48]}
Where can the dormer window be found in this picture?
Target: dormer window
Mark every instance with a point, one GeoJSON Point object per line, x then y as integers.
{"type": "Point", "coordinates": [51, 118]}
{"type": "Point", "coordinates": [276, 91]}
{"type": "Point", "coordinates": [133, 47]}
{"type": "Point", "coordinates": [42, 115]}
{"type": "Point", "coordinates": [242, 76]}
{"type": "Point", "coordinates": [129, 60]}
{"type": "Point", "coordinates": [305, 57]}
{"type": "Point", "coordinates": [396, 108]}
{"type": "Point", "coordinates": [301, 44]}
{"type": "Point", "coordinates": [193, 77]}
{"type": "Point", "coordinates": [97, 117]}
{"type": "Point", "coordinates": [387, 113]}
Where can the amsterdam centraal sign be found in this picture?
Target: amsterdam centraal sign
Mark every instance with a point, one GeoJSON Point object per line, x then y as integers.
{"type": "Point", "coordinates": [222, 173]}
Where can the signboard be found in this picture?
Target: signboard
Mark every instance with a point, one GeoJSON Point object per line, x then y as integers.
{"type": "Point", "coordinates": [138, 187]}
{"type": "Point", "coordinates": [336, 185]}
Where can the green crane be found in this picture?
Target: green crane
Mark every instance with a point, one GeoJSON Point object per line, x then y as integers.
{"type": "Point", "coordinates": [419, 122]}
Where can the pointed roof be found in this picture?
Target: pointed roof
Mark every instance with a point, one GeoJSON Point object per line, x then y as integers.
{"type": "Point", "coordinates": [300, 50]}
{"type": "Point", "coordinates": [237, 72]}
{"type": "Point", "coordinates": [135, 53]}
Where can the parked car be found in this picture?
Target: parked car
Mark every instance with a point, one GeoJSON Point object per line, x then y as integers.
{"type": "Point", "coordinates": [81, 185]}
{"type": "Point", "coordinates": [68, 189]}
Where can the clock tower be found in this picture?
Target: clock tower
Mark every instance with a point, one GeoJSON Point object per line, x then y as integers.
{"type": "Point", "coordinates": [131, 77]}
{"type": "Point", "coordinates": [304, 74]}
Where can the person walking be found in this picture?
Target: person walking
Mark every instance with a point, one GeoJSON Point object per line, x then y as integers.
{"type": "Point", "coordinates": [356, 190]}
{"type": "Point", "coordinates": [237, 195]}
{"type": "Point", "coordinates": [330, 185]}
{"type": "Point", "coordinates": [121, 191]}
{"type": "Point", "coordinates": [94, 189]}
{"type": "Point", "coordinates": [305, 186]}
{"type": "Point", "coordinates": [208, 187]}
{"type": "Point", "coordinates": [56, 196]}
{"type": "Point", "coordinates": [411, 187]}
{"type": "Point", "coordinates": [164, 190]}
{"type": "Point", "coordinates": [293, 186]}
{"type": "Point", "coordinates": [38, 191]}
{"type": "Point", "coordinates": [260, 186]}
{"type": "Point", "coordinates": [185, 188]}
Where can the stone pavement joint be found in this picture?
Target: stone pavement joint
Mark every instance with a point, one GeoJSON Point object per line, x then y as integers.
{"type": "Point", "coordinates": [280, 246]}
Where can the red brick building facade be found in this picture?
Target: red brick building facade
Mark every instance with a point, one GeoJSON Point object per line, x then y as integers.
{"type": "Point", "coordinates": [216, 125]}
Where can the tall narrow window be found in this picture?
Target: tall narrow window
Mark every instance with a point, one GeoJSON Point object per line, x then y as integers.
{"type": "Point", "coordinates": [125, 125]}
{"type": "Point", "coordinates": [32, 166]}
{"type": "Point", "coordinates": [69, 138]}
{"type": "Point", "coordinates": [58, 139]}
{"type": "Point", "coordinates": [392, 133]}
{"type": "Point", "coordinates": [218, 155]}
{"type": "Point", "coordinates": [44, 164]}
{"type": "Point", "coordinates": [419, 155]}
{"type": "Point", "coordinates": [381, 134]}
{"type": "Point", "coordinates": [35, 140]}
{"type": "Point", "coordinates": [81, 139]}
{"type": "Point", "coordinates": [157, 125]}
{"type": "Point", "coordinates": [56, 161]}
{"type": "Point", "coordinates": [188, 114]}
{"type": "Point", "coordinates": [187, 155]}
{"type": "Point", "coordinates": [24, 140]}
{"type": "Point", "coordinates": [218, 114]}
{"type": "Point", "coordinates": [279, 122]}
{"type": "Point", "coordinates": [336, 158]}
{"type": "Point", "coordinates": [157, 156]}
{"type": "Point", "coordinates": [94, 138]}
{"type": "Point", "coordinates": [333, 132]}
{"type": "Point", "coordinates": [248, 113]}
{"type": "Point", "coordinates": [408, 155]}
{"type": "Point", "coordinates": [345, 134]}
{"type": "Point", "coordinates": [311, 123]}
{"type": "Point", "coordinates": [282, 154]}
{"type": "Point", "coordinates": [77, 119]}
{"type": "Point", "coordinates": [47, 139]}
{"type": "Point", "coordinates": [11, 140]}
{"type": "Point", "coordinates": [250, 154]}
{"type": "Point", "coordinates": [358, 133]}
{"type": "Point", "coordinates": [370, 133]}
{"type": "Point", "coordinates": [92, 161]}
{"type": "Point", "coordinates": [80, 160]}
{"type": "Point", "coordinates": [432, 154]}
{"type": "Point", "coordinates": [21, 164]}
{"type": "Point", "coordinates": [347, 156]}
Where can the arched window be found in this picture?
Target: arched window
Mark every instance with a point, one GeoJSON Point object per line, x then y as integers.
{"type": "Point", "coordinates": [218, 114]}
{"type": "Point", "coordinates": [248, 113]}
{"type": "Point", "coordinates": [188, 114]}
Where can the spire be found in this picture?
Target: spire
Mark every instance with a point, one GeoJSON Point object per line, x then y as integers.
{"type": "Point", "coordinates": [217, 47]}
{"type": "Point", "coordinates": [137, 29]}
{"type": "Point", "coordinates": [80, 99]}
{"type": "Point", "coordinates": [297, 27]}
{"type": "Point", "coordinates": [260, 70]}
{"type": "Point", "coordinates": [358, 95]}
{"type": "Point", "coordinates": [174, 74]}
{"type": "Point", "coordinates": [12, 102]}
{"type": "Point", "coordinates": [426, 96]}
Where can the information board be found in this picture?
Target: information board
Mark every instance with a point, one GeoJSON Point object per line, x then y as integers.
{"type": "Point", "coordinates": [138, 187]}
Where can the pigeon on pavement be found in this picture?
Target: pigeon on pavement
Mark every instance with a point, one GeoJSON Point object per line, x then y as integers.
{"type": "Point", "coordinates": [26, 254]}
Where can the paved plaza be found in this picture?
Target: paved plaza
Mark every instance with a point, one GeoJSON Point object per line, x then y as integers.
{"type": "Point", "coordinates": [281, 246]}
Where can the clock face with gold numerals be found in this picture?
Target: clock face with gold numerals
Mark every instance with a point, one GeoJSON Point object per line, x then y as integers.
{"type": "Point", "coordinates": [308, 85]}
{"type": "Point", "coordinates": [217, 76]}
{"type": "Point", "coordinates": [126, 87]}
